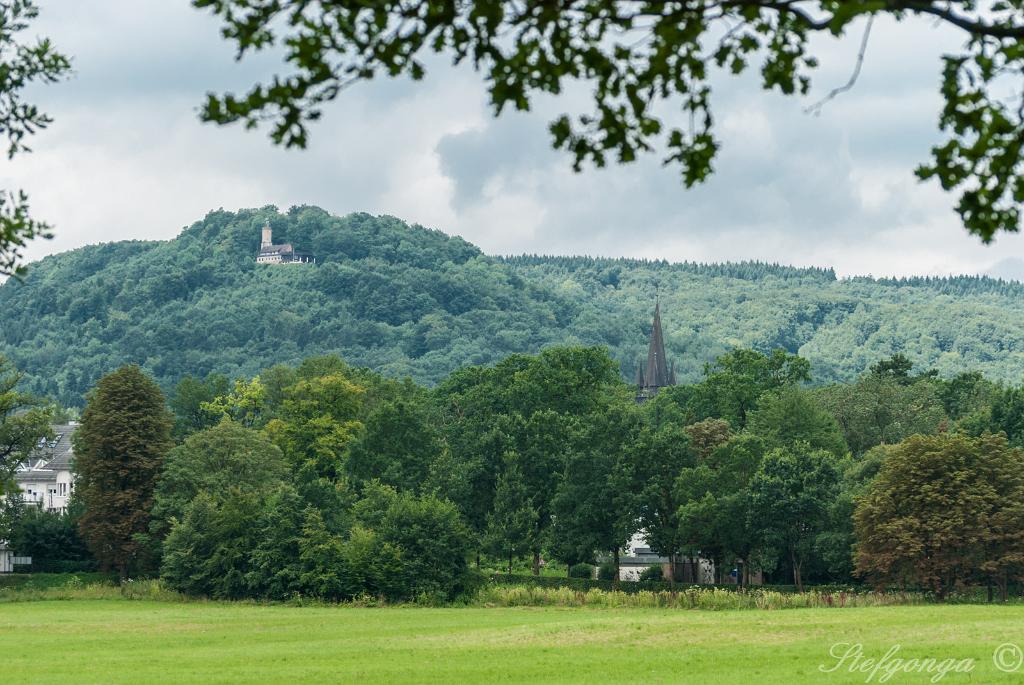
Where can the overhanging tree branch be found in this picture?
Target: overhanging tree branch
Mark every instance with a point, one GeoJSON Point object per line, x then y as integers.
{"type": "Point", "coordinates": [816, 107]}
{"type": "Point", "coordinates": [528, 47]}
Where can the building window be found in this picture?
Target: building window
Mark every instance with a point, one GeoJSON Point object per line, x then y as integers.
{"type": "Point", "coordinates": [62, 489]}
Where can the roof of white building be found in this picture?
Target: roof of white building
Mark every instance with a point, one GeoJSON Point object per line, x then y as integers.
{"type": "Point", "coordinates": [50, 456]}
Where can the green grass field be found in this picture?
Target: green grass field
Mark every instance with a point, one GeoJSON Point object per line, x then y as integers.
{"type": "Point", "coordinates": [122, 641]}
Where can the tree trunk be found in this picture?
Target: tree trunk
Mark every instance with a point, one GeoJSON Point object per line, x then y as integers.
{"type": "Point", "coordinates": [510, 561]}
{"type": "Point", "coordinates": [478, 560]}
{"type": "Point", "coordinates": [797, 580]}
{"type": "Point", "coordinates": [536, 562]}
{"type": "Point", "coordinates": [939, 589]}
{"type": "Point", "coordinates": [1002, 582]}
{"type": "Point", "coordinates": [615, 580]}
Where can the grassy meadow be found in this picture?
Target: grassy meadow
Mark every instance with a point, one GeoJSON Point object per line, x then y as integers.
{"type": "Point", "coordinates": [142, 641]}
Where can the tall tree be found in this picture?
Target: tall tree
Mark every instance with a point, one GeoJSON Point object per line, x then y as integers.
{"type": "Point", "coordinates": [527, 405]}
{"type": "Point", "coordinates": [790, 498]}
{"type": "Point", "coordinates": [512, 525]}
{"type": "Point", "coordinates": [190, 396]}
{"type": "Point", "coordinates": [715, 510]}
{"type": "Point", "coordinates": [835, 544]}
{"type": "Point", "coordinates": [23, 422]}
{"type": "Point", "coordinates": [880, 408]}
{"type": "Point", "coordinates": [318, 422]}
{"type": "Point", "coordinates": [226, 456]}
{"type": "Point", "coordinates": [968, 393]}
{"type": "Point", "coordinates": [943, 508]}
{"type": "Point", "coordinates": [592, 507]}
{"type": "Point", "coordinates": [397, 446]}
{"type": "Point", "coordinates": [1007, 415]}
{"type": "Point", "coordinates": [660, 453]}
{"type": "Point", "coordinates": [119, 450]}
{"type": "Point", "coordinates": [791, 415]}
{"type": "Point", "coordinates": [23, 64]}
{"type": "Point", "coordinates": [734, 383]}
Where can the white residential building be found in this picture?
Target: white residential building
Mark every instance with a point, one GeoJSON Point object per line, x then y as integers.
{"type": "Point", "coordinates": [46, 479]}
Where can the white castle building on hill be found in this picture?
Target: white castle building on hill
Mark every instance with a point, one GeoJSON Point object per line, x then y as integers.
{"type": "Point", "coordinates": [280, 254]}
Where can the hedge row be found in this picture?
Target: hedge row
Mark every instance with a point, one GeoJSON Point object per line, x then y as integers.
{"type": "Point", "coordinates": [57, 566]}
{"type": "Point", "coordinates": [631, 586]}
{"type": "Point", "coordinates": [48, 580]}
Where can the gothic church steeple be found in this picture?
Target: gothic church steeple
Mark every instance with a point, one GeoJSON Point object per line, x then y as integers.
{"type": "Point", "coordinates": [658, 373]}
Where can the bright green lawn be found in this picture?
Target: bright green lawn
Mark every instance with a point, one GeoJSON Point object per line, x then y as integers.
{"type": "Point", "coordinates": [120, 641]}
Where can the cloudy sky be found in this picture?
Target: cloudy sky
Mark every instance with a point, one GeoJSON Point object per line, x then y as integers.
{"type": "Point", "coordinates": [127, 157]}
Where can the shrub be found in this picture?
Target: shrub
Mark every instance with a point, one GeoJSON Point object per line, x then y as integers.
{"type": "Point", "coordinates": [653, 572]}
{"type": "Point", "coordinates": [208, 552]}
{"type": "Point", "coordinates": [606, 571]}
{"type": "Point", "coordinates": [693, 597]}
{"type": "Point", "coordinates": [50, 538]}
{"type": "Point", "coordinates": [432, 542]}
{"type": "Point", "coordinates": [581, 571]}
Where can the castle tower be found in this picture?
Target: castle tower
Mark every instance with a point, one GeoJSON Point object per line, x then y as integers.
{"type": "Point", "coordinates": [268, 237]}
{"type": "Point", "coordinates": [658, 374]}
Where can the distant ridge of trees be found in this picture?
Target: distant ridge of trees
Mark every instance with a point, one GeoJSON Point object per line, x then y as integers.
{"type": "Point", "coordinates": [748, 270]}
{"type": "Point", "coordinates": [951, 285]}
{"type": "Point", "coordinates": [405, 300]}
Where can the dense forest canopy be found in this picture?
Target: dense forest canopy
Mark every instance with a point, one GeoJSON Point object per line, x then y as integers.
{"type": "Point", "coordinates": [409, 301]}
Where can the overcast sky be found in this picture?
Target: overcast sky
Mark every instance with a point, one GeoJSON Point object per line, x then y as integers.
{"type": "Point", "coordinates": [127, 157]}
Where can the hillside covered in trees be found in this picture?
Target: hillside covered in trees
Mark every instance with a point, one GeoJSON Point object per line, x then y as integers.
{"type": "Point", "coordinates": [408, 301]}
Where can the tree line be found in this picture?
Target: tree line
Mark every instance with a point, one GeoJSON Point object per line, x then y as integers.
{"type": "Point", "coordinates": [328, 480]}
{"type": "Point", "coordinates": [408, 301]}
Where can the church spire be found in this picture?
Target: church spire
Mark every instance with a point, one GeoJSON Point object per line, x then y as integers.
{"type": "Point", "coordinates": [658, 373]}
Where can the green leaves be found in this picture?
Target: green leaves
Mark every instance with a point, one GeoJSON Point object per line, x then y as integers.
{"type": "Point", "coordinates": [942, 509]}
{"type": "Point", "coordinates": [119, 451]}
{"type": "Point", "coordinates": [22, 65]}
{"type": "Point", "coordinates": [23, 421]}
{"type": "Point", "coordinates": [985, 135]}
{"type": "Point", "coordinates": [790, 498]}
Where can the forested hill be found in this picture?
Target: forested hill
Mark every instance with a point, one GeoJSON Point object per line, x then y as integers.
{"type": "Point", "coordinates": [411, 301]}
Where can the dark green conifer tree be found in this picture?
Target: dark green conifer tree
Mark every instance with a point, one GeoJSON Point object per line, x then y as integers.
{"type": "Point", "coordinates": [119, 449]}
